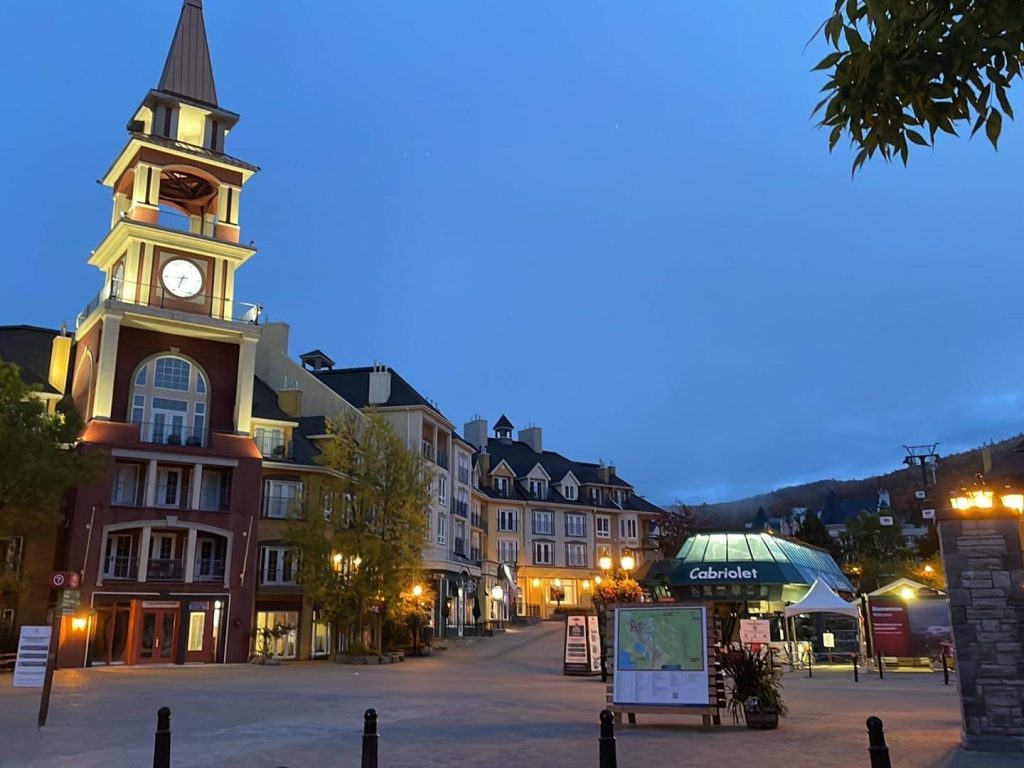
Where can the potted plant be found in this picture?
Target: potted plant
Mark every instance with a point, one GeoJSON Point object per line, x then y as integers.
{"type": "Point", "coordinates": [755, 688]}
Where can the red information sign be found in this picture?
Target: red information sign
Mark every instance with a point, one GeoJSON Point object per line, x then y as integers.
{"type": "Point", "coordinates": [890, 626]}
{"type": "Point", "coordinates": [65, 580]}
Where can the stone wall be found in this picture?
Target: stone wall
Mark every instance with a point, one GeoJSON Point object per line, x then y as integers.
{"type": "Point", "coordinates": [985, 572]}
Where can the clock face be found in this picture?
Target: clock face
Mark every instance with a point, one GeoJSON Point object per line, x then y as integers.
{"type": "Point", "coordinates": [182, 278]}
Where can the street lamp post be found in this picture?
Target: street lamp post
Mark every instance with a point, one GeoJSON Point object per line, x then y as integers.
{"type": "Point", "coordinates": [626, 564]}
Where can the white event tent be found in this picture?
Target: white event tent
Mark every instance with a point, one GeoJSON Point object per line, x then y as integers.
{"type": "Point", "coordinates": [820, 598]}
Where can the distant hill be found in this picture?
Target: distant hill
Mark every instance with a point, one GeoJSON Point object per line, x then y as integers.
{"type": "Point", "coordinates": [952, 471]}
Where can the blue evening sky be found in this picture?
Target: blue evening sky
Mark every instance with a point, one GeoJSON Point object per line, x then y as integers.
{"type": "Point", "coordinates": [612, 219]}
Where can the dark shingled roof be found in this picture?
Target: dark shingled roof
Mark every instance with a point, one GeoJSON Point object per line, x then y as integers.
{"type": "Point", "coordinates": [353, 384]}
{"type": "Point", "coordinates": [30, 347]}
{"type": "Point", "coordinates": [188, 71]}
{"type": "Point", "coordinates": [264, 402]}
{"type": "Point", "coordinates": [304, 450]}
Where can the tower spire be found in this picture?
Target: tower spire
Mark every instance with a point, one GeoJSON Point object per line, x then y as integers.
{"type": "Point", "coordinates": [188, 72]}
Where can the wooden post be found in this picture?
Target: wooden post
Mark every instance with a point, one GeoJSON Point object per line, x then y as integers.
{"type": "Point", "coordinates": [606, 742]}
{"type": "Point", "coordinates": [370, 739]}
{"type": "Point", "coordinates": [162, 742]}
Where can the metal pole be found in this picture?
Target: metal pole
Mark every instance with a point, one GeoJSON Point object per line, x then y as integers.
{"type": "Point", "coordinates": [606, 743]}
{"type": "Point", "coordinates": [881, 672]}
{"type": "Point", "coordinates": [370, 739]}
{"type": "Point", "coordinates": [856, 677]}
{"type": "Point", "coordinates": [810, 661]}
{"type": "Point", "coordinates": [945, 667]}
{"type": "Point", "coordinates": [877, 749]}
{"type": "Point", "coordinates": [162, 742]}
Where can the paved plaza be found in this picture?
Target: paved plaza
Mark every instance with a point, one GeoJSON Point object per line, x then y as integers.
{"type": "Point", "coordinates": [500, 702]}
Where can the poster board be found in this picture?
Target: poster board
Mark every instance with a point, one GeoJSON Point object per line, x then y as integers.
{"type": "Point", "coordinates": [30, 665]}
{"type": "Point", "coordinates": [582, 648]}
{"type": "Point", "coordinates": [660, 656]}
{"type": "Point", "coordinates": [755, 631]}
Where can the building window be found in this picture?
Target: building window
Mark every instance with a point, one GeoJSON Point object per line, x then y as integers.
{"type": "Point", "coordinates": [321, 637]}
{"type": "Point", "coordinates": [282, 499]}
{"type": "Point", "coordinates": [544, 523]}
{"type": "Point", "coordinates": [501, 487]}
{"type": "Point", "coordinates": [168, 487]}
{"type": "Point", "coordinates": [281, 623]}
{"type": "Point", "coordinates": [463, 468]}
{"type": "Point", "coordinates": [595, 495]}
{"type": "Point", "coordinates": [627, 528]}
{"type": "Point", "coordinates": [575, 525]}
{"type": "Point", "coordinates": [442, 528]}
{"type": "Point", "coordinates": [271, 442]}
{"type": "Point", "coordinates": [127, 488]}
{"type": "Point", "coordinates": [543, 553]}
{"type": "Point", "coordinates": [576, 555]}
{"type": "Point", "coordinates": [620, 497]}
{"type": "Point", "coordinates": [277, 565]}
{"type": "Point", "coordinates": [178, 419]}
{"type": "Point", "coordinates": [117, 280]}
{"type": "Point", "coordinates": [442, 489]}
{"type": "Point", "coordinates": [508, 551]}
{"type": "Point", "coordinates": [508, 520]}
{"type": "Point", "coordinates": [460, 538]}
{"type": "Point", "coordinates": [10, 556]}
{"type": "Point", "coordinates": [538, 489]}
{"type": "Point", "coordinates": [603, 526]}
{"type": "Point", "coordinates": [118, 562]}
{"type": "Point", "coordinates": [196, 630]}
{"type": "Point", "coordinates": [215, 491]}
{"type": "Point", "coordinates": [569, 491]}
{"type": "Point", "coordinates": [474, 546]}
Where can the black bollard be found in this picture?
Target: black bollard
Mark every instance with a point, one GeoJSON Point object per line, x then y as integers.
{"type": "Point", "coordinates": [606, 743]}
{"type": "Point", "coordinates": [856, 676]}
{"type": "Point", "coordinates": [881, 672]}
{"type": "Point", "coordinates": [810, 662]}
{"type": "Point", "coordinates": [945, 667]}
{"type": "Point", "coordinates": [162, 742]}
{"type": "Point", "coordinates": [877, 750]}
{"type": "Point", "coordinates": [370, 739]}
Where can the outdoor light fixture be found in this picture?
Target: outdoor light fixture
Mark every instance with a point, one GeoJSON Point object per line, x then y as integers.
{"type": "Point", "coordinates": [586, 585]}
{"type": "Point", "coordinates": [536, 583]}
{"type": "Point", "coordinates": [557, 582]}
{"type": "Point", "coordinates": [628, 561]}
{"type": "Point", "coordinates": [357, 562]}
{"type": "Point", "coordinates": [597, 579]}
{"type": "Point", "coordinates": [78, 623]}
{"type": "Point", "coordinates": [497, 592]}
{"type": "Point", "coordinates": [929, 570]}
{"type": "Point", "coordinates": [417, 590]}
{"type": "Point", "coordinates": [907, 593]}
{"type": "Point", "coordinates": [972, 499]}
{"type": "Point", "coordinates": [1013, 501]}
{"type": "Point", "coordinates": [605, 561]}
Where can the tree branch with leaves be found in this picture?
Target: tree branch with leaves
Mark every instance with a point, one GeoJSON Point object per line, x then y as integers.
{"type": "Point", "coordinates": [904, 70]}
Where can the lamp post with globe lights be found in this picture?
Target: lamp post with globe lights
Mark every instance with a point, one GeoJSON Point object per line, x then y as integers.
{"type": "Point", "coordinates": [614, 586]}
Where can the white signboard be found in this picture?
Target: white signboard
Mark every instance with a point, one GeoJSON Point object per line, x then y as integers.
{"type": "Point", "coordinates": [576, 641]}
{"type": "Point", "coordinates": [661, 656]}
{"type": "Point", "coordinates": [755, 631]}
{"type": "Point", "coordinates": [928, 514]}
{"type": "Point", "coordinates": [594, 638]}
{"type": "Point", "coordinates": [33, 648]}
{"type": "Point", "coordinates": [828, 640]}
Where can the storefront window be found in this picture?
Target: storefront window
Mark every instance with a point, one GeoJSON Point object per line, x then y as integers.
{"type": "Point", "coordinates": [321, 638]}
{"type": "Point", "coordinates": [276, 632]}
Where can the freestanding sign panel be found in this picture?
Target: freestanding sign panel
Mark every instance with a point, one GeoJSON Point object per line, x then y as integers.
{"type": "Point", "coordinates": [580, 647]}
{"type": "Point", "coordinates": [661, 656]}
{"type": "Point", "coordinates": [594, 639]}
{"type": "Point", "coordinates": [30, 665]}
{"type": "Point", "coordinates": [890, 626]}
{"type": "Point", "coordinates": [755, 631]}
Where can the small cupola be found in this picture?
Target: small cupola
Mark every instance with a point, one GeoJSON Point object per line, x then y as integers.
{"type": "Point", "coordinates": [503, 428]}
{"type": "Point", "coordinates": [316, 361]}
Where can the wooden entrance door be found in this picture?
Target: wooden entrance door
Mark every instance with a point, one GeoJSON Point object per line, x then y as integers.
{"type": "Point", "coordinates": [158, 635]}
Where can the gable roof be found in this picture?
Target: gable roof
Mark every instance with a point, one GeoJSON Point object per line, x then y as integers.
{"type": "Point", "coordinates": [503, 423]}
{"type": "Point", "coordinates": [188, 71]}
{"type": "Point", "coordinates": [30, 347]}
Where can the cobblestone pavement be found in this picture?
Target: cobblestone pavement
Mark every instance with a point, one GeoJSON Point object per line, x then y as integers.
{"type": "Point", "coordinates": [500, 702]}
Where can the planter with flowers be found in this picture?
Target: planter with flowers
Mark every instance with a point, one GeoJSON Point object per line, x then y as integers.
{"type": "Point", "coordinates": [755, 688]}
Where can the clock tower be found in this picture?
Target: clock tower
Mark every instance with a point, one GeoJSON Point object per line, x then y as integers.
{"type": "Point", "coordinates": [163, 372]}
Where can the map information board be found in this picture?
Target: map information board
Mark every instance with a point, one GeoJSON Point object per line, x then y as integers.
{"type": "Point", "coordinates": [661, 656]}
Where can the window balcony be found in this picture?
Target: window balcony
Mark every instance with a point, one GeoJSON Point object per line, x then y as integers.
{"type": "Point", "coordinates": [121, 569]}
{"type": "Point", "coordinates": [120, 292]}
{"type": "Point", "coordinates": [274, 447]}
{"type": "Point", "coordinates": [427, 449]}
{"type": "Point", "coordinates": [165, 569]}
{"type": "Point", "coordinates": [163, 433]}
{"type": "Point", "coordinates": [210, 570]}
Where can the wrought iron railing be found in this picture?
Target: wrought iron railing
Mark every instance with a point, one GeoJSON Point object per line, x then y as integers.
{"type": "Point", "coordinates": [211, 569]}
{"type": "Point", "coordinates": [136, 294]}
{"type": "Point", "coordinates": [121, 568]}
{"type": "Point", "coordinates": [165, 569]}
{"type": "Point", "coordinates": [164, 433]}
{"type": "Point", "coordinates": [274, 446]}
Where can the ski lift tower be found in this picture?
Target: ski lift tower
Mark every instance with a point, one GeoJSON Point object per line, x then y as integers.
{"type": "Point", "coordinates": [927, 458]}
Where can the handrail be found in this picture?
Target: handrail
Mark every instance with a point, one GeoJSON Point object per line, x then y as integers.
{"type": "Point", "coordinates": [118, 291]}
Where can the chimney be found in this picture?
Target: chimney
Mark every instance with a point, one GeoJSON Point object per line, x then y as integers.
{"type": "Point", "coordinates": [316, 361]}
{"type": "Point", "coordinates": [483, 460]}
{"type": "Point", "coordinates": [532, 437]}
{"type": "Point", "coordinates": [380, 385]}
{"type": "Point", "coordinates": [475, 432]}
{"type": "Point", "coordinates": [289, 397]}
{"type": "Point", "coordinates": [60, 362]}
{"type": "Point", "coordinates": [604, 475]}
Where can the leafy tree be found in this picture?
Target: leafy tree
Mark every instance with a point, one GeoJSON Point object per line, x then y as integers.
{"type": "Point", "coordinates": [675, 525]}
{"type": "Point", "coordinates": [38, 463]}
{"type": "Point", "coordinates": [363, 525]}
{"type": "Point", "coordinates": [874, 552]}
{"type": "Point", "coordinates": [813, 531]}
{"type": "Point", "coordinates": [902, 71]}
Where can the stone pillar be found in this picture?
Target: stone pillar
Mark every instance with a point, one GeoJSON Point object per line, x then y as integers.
{"type": "Point", "coordinates": [982, 555]}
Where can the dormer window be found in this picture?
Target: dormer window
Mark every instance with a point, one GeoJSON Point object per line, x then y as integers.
{"type": "Point", "coordinates": [595, 495]}
{"type": "Point", "coordinates": [538, 489]}
{"type": "Point", "coordinates": [501, 486]}
{"type": "Point", "coordinates": [569, 491]}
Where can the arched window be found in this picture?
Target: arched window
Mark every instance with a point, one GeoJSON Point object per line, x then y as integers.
{"type": "Point", "coordinates": [169, 400]}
